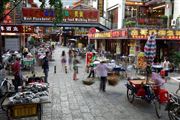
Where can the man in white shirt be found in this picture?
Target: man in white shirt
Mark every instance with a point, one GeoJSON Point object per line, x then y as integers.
{"type": "Point", "coordinates": [102, 70]}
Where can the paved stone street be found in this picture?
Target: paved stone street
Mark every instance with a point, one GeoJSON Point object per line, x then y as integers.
{"type": "Point", "coordinates": [71, 100]}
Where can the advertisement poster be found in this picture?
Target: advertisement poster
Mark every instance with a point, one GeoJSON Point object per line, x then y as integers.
{"type": "Point", "coordinates": [88, 57]}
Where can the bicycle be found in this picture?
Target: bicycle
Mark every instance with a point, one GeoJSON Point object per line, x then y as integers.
{"type": "Point", "coordinates": [6, 86]}
{"type": "Point", "coordinates": [173, 107]}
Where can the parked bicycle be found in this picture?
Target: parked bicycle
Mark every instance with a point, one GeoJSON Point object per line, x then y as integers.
{"type": "Point", "coordinates": [6, 86]}
{"type": "Point", "coordinates": [173, 107]}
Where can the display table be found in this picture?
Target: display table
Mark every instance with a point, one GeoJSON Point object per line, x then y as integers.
{"type": "Point", "coordinates": [23, 110]}
{"type": "Point", "coordinates": [177, 79]}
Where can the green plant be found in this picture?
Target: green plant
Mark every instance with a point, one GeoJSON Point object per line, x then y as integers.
{"type": "Point", "coordinates": [164, 17]}
{"type": "Point", "coordinates": [130, 23]}
{"type": "Point", "coordinates": [175, 57]}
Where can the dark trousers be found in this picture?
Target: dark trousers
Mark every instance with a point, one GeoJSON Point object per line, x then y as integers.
{"type": "Point", "coordinates": [16, 82]}
{"type": "Point", "coordinates": [103, 84]}
{"type": "Point", "coordinates": [91, 73]}
{"type": "Point", "coordinates": [46, 75]}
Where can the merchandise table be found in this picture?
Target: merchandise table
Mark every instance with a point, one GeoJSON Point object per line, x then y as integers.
{"type": "Point", "coordinates": [177, 79]}
{"type": "Point", "coordinates": [23, 110]}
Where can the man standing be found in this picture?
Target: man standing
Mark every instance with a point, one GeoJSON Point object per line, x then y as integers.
{"type": "Point", "coordinates": [16, 67]}
{"type": "Point", "coordinates": [45, 66]}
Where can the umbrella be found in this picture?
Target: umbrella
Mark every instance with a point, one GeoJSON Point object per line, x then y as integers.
{"type": "Point", "coordinates": [150, 49]}
{"type": "Point", "coordinates": [150, 52]}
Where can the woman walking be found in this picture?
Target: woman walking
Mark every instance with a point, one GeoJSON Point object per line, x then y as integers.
{"type": "Point", "coordinates": [63, 61]}
{"type": "Point", "coordinates": [75, 67]}
{"type": "Point", "coordinates": [70, 57]}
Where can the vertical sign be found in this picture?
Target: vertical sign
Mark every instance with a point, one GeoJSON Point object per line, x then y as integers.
{"type": "Point", "coordinates": [101, 7]}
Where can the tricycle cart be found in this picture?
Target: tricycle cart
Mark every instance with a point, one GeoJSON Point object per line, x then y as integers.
{"type": "Point", "coordinates": [147, 91]}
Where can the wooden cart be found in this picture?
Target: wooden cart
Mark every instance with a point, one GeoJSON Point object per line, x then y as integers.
{"type": "Point", "coordinates": [23, 110]}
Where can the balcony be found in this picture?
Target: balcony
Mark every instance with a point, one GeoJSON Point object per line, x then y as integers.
{"type": "Point", "coordinates": [150, 22]}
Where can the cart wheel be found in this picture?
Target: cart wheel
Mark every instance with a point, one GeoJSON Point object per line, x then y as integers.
{"type": "Point", "coordinates": [3, 89]}
{"type": "Point", "coordinates": [130, 95]}
{"type": "Point", "coordinates": [157, 106]}
{"type": "Point", "coordinates": [172, 113]}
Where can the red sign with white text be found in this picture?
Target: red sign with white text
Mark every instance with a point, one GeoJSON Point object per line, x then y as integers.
{"type": "Point", "coordinates": [16, 29]}
{"type": "Point", "coordinates": [70, 15]}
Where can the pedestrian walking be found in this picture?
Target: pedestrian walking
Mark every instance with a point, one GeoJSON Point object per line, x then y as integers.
{"type": "Point", "coordinates": [75, 67]}
{"type": "Point", "coordinates": [92, 66]}
{"type": "Point", "coordinates": [45, 66]}
{"type": "Point", "coordinates": [70, 58]}
{"type": "Point", "coordinates": [102, 70]}
{"type": "Point", "coordinates": [63, 61]}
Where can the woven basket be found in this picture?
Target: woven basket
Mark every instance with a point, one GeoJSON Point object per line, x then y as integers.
{"type": "Point", "coordinates": [112, 80]}
{"type": "Point", "coordinates": [88, 81]}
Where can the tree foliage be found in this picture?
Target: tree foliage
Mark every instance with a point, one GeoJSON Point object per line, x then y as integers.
{"type": "Point", "coordinates": [55, 4]}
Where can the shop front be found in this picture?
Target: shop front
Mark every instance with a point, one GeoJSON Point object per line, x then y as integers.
{"type": "Point", "coordinates": [110, 41]}
{"type": "Point", "coordinates": [13, 36]}
{"type": "Point", "coordinates": [167, 40]}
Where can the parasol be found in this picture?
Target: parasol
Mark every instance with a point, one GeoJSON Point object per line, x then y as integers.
{"type": "Point", "coordinates": [150, 52]}
{"type": "Point", "coordinates": [150, 48]}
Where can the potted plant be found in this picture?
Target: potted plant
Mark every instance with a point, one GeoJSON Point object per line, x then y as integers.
{"type": "Point", "coordinates": [175, 59]}
{"type": "Point", "coordinates": [130, 23]}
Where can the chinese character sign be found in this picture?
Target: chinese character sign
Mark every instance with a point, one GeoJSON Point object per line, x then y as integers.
{"type": "Point", "coordinates": [70, 15]}
{"type": "Point", "coordinates": [160, 33]}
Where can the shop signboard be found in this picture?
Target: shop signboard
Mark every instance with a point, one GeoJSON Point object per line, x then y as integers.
{"type": "Point", "coordinates": [80, 33]}
{"type": "Point", "coordinates": [82, 16]}
{"type": "Point", "coordinates": [109, 34]}
{"type": "Point", "coordinates": [16, 29]}
{"type": "Point", "coordinates": [70, 15]}
{"type": "Point", "coordinates": [89, 56]}
{"type": "Point", "coordinates": [168, 34]}
{"type": "Point", "coordinates": [37, 15]}
{"type": "Point", "coordinates": [101, 7]}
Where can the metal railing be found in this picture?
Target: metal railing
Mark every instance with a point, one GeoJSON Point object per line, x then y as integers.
{"type": "Point", "coordinates": [105, 22]}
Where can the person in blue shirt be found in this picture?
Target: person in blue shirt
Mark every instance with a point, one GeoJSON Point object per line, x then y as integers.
{"type": "Point", "coordinates": [45, 66]}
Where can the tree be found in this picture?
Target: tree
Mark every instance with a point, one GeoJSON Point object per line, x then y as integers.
{"type": "Point", "coordinates": [56, 4]}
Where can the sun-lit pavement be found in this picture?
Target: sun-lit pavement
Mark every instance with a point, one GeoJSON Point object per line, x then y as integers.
{"type": "Point", "coordinates": [71, 100]}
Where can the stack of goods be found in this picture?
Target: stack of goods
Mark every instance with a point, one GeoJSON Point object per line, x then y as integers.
{"type": "Point", "coordinates": [141, 62]}
{"type": "Point", "coordinates": [33, 93]}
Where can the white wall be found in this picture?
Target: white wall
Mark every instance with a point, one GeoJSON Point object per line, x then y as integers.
{"type": "Point", "coordinates": [121, 10]}
{"type": "Point", "coordinates": [176, 9]}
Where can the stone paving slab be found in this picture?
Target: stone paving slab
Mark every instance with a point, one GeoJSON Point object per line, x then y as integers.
{"type": "Point", "coordinates": [71, 100]}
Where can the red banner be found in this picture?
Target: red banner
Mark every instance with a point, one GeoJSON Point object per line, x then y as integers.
{"type": "Point", "coordinates": [16, 29]}
{"type": "Point", "coordinates": [109, 34]}
{"type": "Point", "coordinates": [70, 15]}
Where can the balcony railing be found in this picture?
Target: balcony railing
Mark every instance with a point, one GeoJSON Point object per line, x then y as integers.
{"type": "Point", "coordinates": [105, 22]}
{"type": "Point", "coordinates": [151, 22]}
